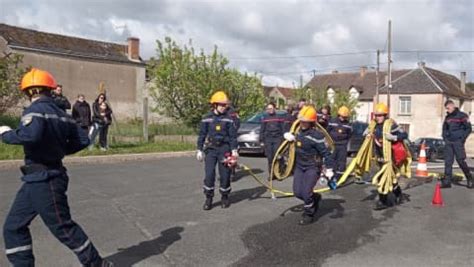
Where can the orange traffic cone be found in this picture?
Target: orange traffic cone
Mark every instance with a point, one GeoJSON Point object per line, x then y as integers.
{"type": "Point", "coordinates": [437, 197]}
{"type": "Point", "coordinates": [422, 168]}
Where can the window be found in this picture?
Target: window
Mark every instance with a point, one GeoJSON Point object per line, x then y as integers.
{"type": "Point", "coordinates": [405, 105]}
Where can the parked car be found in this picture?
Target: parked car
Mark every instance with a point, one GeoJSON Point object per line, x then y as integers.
{"type": "Point", "coordinates": [434, 148]}
{"type": "Point", "coordinates": [249, 134]}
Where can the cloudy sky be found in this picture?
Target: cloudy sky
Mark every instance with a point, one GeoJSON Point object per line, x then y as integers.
{"type": "Point", "coordinates": [280, 40]}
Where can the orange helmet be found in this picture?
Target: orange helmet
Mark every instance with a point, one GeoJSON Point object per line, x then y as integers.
{"type": "Point", "coordinates": [219, 97]}
{"type": "Point", "coordinates": [308, 114]}
{"type": "Point", "coordinates": [37, 78]}
{"type": "Point", "coordinates": [381, 109]}
{"type": "Point", "coordinates": [344, 111]}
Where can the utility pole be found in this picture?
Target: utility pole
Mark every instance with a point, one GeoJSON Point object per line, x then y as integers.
{"type": "Point", "coordinates": [314, 73]}
{"type": "Point", "coordinates": [389, 70]}
{"type": "Point", "coordinates": [377, 78]}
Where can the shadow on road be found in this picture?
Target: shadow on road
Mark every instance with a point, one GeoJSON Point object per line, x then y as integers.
{"type": "Point", "coordinates": [245, 194]}
{"type": "Point", "coordinates": [326, 206]}
{"type": "Point", "coordinates": [243, 173]}
{"type": "Point", "coordinates": [126, 257]}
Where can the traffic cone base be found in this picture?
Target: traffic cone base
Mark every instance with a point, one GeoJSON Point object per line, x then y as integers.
{"type": "Point", "coordinates": [437, 197]}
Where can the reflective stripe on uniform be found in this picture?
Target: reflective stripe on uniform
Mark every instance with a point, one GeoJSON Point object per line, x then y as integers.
{"type": "Point", "coordinates": [227, 120]}
{"type": "Point", "coordinates": [207, 120]}
{"type": "Point", "coordinates": [225, 189]}
{"type": "Point", "coordinates": [399, 128]}
{"type": "Point", "coordinates": [17, 249]}
{"type": "Point", "coordinates": [347, 126]}
{"type": "Point", "coordinates": [47, 116]}
{"type": "Point", "coordinates": [208, 188]}
{"type": "Point", "coordinates": [314, 139]}
{"type": "Point", "coordinates": [84, 246]}
{"type": "Point", "coordinates": [309, 205]}
{"type": "Point", "coordinates": [333, 124]}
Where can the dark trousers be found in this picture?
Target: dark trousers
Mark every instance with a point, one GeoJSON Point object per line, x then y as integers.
{"type": "Point", "coordinates": [215, 156]}
{"type": "Point", "coordinates": [48, 200]}
{"type": "Point", "coordinates": [271, 147]}
{"type": "Point", "coordinates": [455, 150]}
{"type": "Point", "coordinates": [103, 132]}
{"type": "Point", "coordinates": [340, 159]}
{"type": "Point", "coordinates": [303, 185]}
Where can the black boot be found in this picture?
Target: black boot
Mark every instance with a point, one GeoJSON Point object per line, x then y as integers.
{"type": "Point", "coordinates": [307, 219]}
{"type": "Point", "coordinates": [398, 195]}
{"type": "Point", "coordinates": [207, 204]}
{"type": "Point", "coordinates": [470, 182]}
{"type": "Point", "coordinates": [382, 203]}
{"type": "Point", "coordinates": [446, 183]}
{"type": "Point", "coordinates": [225, 203]}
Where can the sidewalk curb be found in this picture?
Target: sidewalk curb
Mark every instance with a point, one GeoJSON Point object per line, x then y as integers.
{"type": "Point", "coordinates": [104, 159]}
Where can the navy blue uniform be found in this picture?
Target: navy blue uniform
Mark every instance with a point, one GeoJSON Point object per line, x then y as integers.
{"type": "Point", "coordinates": [310, 145]}
{"type": "Point", "coordinates": [456, 129]}
{"type": "Point", "coordinates": [271, 135]}
{"type": "Point", "coordinates": [47, 134]}
{"type": "Point", "coordinates": [341, 132]}
{"type": "Point", "coordinates": [221, 136]}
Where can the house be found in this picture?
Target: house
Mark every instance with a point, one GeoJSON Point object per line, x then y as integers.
{"type": "Point", "coordinates": [281, 96]}
{"type": "Point", "coordinates": [416, 98]}
{"type": "Point", "coordinates": [84, 66]}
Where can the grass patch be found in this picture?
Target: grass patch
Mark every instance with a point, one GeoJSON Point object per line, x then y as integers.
{"type": "Point", "coordinates": [9, 120]}
{"type": "Point", "coordinates": [135, 128]}
{"type": "Point", "coordinates": [9, 152]}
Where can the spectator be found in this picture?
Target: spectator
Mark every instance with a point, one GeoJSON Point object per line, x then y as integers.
{"type": "Point", "coordinates": [101, 120]}
{"type": "Point", "coordinates": [61, 101]}
{"type": "Point", "coordinates": [324, 115]}
{"type": "Point", "coordinates": [81, 112]}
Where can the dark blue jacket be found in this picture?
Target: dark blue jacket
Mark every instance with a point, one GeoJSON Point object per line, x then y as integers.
{"type": "Point", "coordinates": [456, 126]}
{"type": "Point", "coordinates": [218, 129]}
{"type": "Point", "coordinates": [235, 117]}
{"type": "Point", "coordinates": [47, 134]}
{"type": "Point", "coordinates": [310, 144]}
{"type": "Point", "coordinates": [272, 127]}
{"type": "Point", "coordinates": [340, 131]}
{"type": "Point", "coordinates": [396, 130]}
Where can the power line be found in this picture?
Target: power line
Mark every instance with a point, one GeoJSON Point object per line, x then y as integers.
{"type": "Point", "coordinates": [351, 53]}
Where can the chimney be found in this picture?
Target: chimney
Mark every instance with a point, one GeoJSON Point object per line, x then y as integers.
{"type": "Point", "coordinates": [133, 48]}
{"type": "Point", "coordinates": [421, 64]}
{"type": "Point", "coordinates": [335, 72]}
{"type": "Point", "coordinates": [463, 81]}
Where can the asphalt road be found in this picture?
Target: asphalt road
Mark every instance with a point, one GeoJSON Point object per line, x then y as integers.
{"type": "Point", "coordinates": [149, 213]}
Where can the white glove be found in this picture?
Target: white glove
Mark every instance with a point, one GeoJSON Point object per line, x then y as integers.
{"type": "Point", "coordinates": [199, 155]}
{"type": "Point", "coordinates": [289, 137]}
{"type": "Point", "coordinates": [235, 153]}
{"type": "Point", "coordinates": [4, 129]}
{"type": "Point", "coordinates": [329, 173]}
{"type": "Point", "coordinates": [391, 137]}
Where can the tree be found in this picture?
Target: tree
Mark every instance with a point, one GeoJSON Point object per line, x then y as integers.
{"type": "Point", "coordinates": [183, 81]}
{"type": "Point", "coordinates": [10, 75]}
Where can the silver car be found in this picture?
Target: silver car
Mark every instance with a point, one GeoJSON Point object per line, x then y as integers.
{"type": "Point", "coordinates": [249, 134]}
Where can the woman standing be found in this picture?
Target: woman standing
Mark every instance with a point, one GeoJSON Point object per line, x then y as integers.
{"type": "Point", "coordinates": [102, 118]}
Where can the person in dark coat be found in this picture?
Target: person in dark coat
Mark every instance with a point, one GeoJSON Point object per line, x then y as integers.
{"type": "Point", "coordinates": [81, 112]}
{"type": "Point", "coordinates": [61, 101]}
{"type": "Point", "coordinates": [456, 129]}
{"type": "Point", "coordinates": [324, 115]}
{"type": "Point", "coordinates": [101, 119]}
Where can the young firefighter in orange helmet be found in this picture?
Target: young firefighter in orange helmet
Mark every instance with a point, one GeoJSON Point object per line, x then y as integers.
{"type": "Point", "coordinates": [217, 142]}
{"type": "Point", "coordinates": [310, 144]}
{"type": "Point", "coordinates": [47, 134]}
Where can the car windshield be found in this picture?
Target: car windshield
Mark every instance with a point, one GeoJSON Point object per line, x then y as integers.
{"type": "Point", "coordinates": [358, 128]}
{"type": "Point", "coordinates": [257, 118]}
